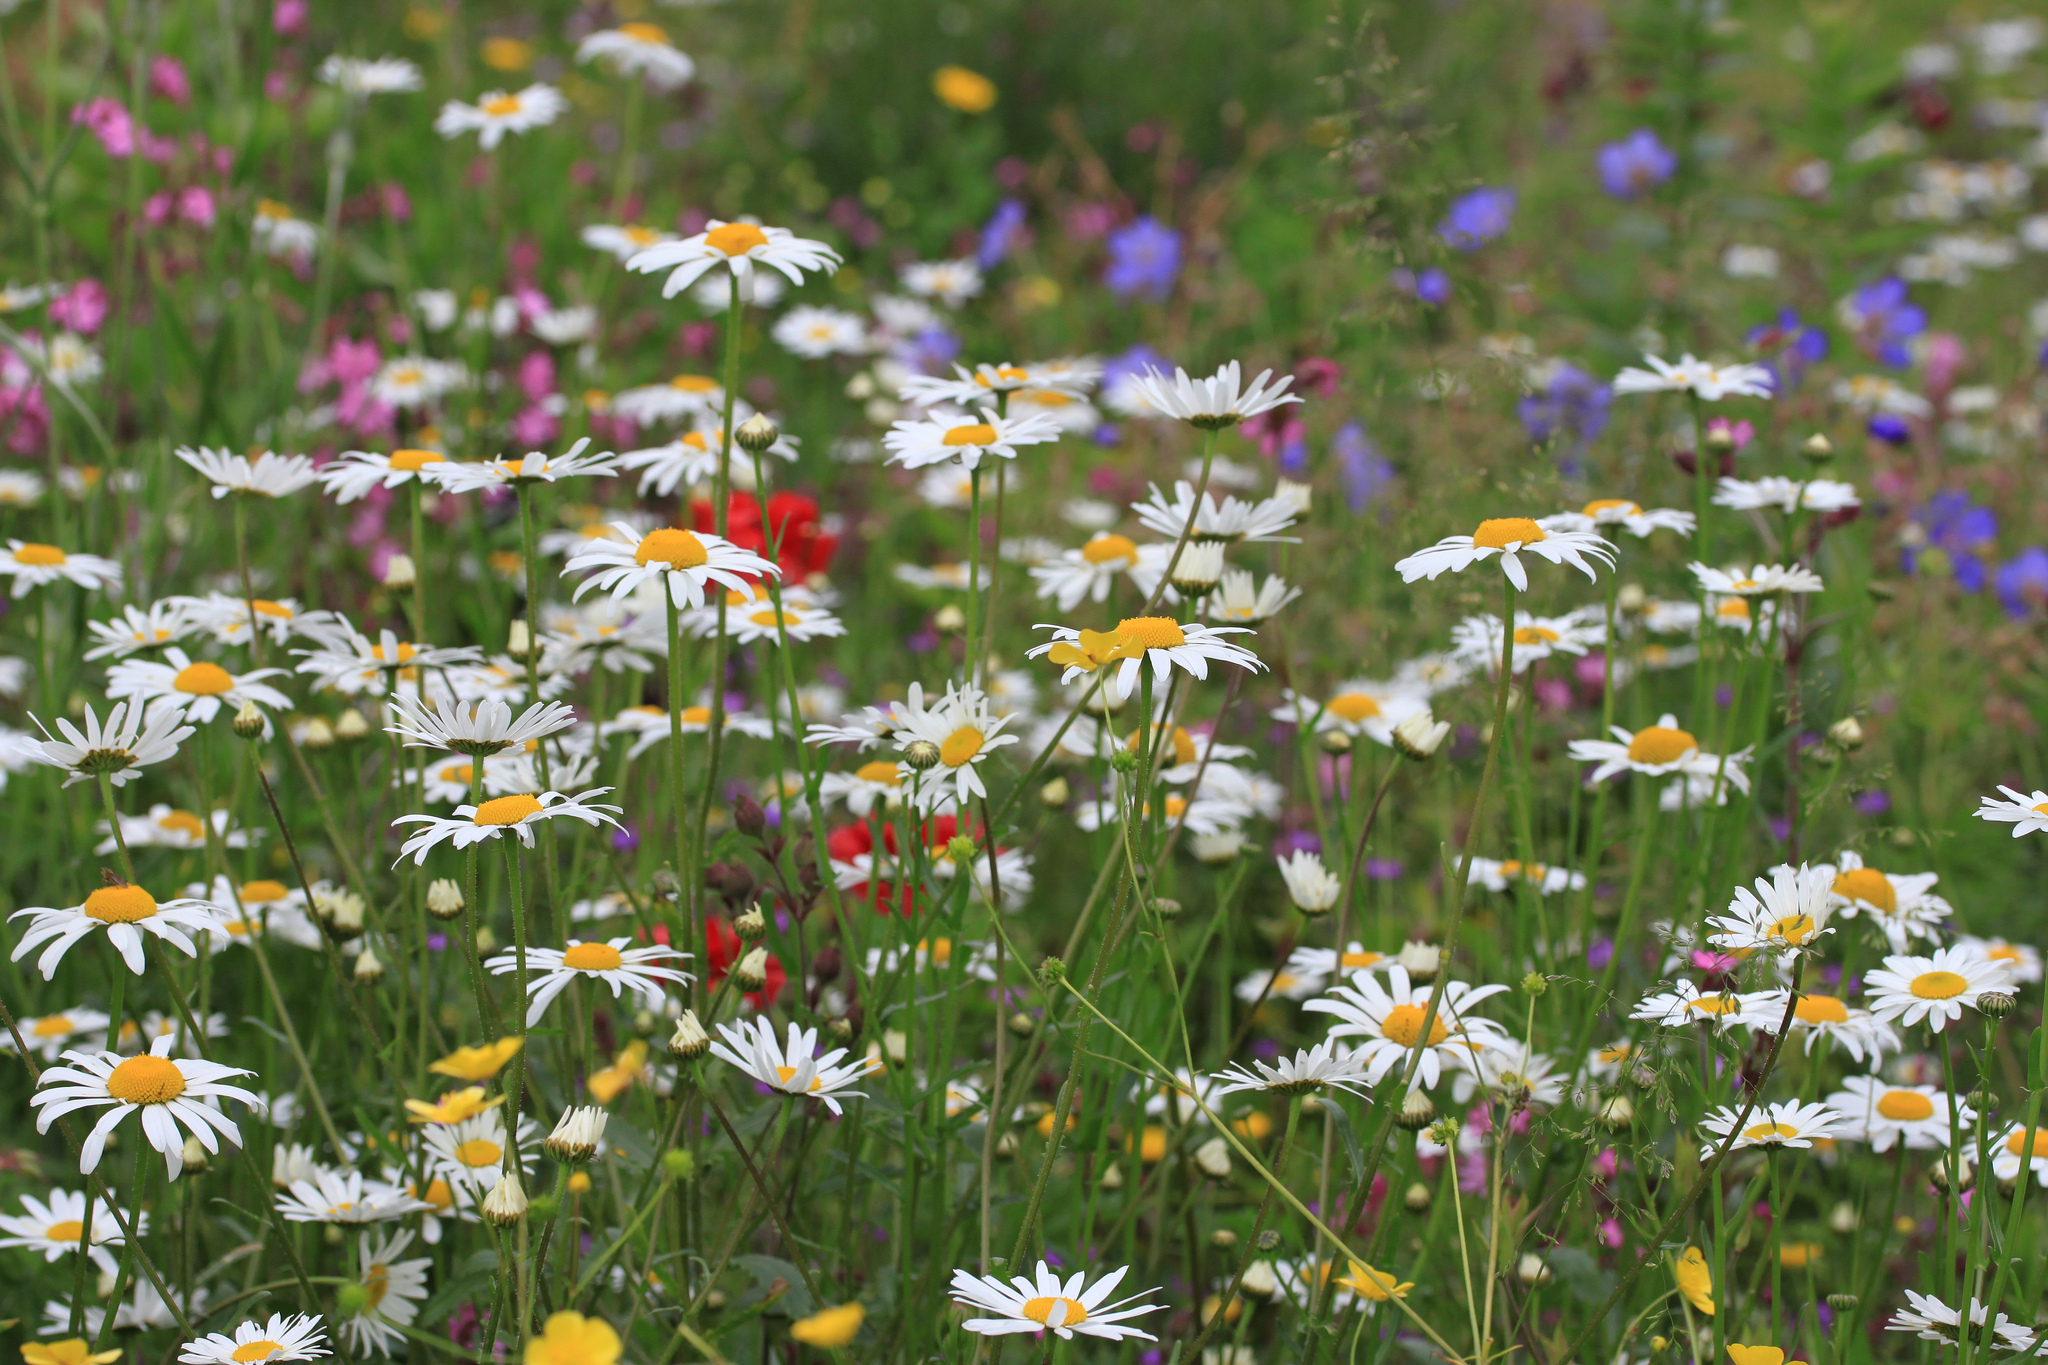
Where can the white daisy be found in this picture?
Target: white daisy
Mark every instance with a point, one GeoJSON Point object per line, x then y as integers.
{"type": "Point", "coordinates": [1784, 915]}
{"type": "Point", "coordinates": [864, 729]}
{"type": "Point", "coordinates": [56, 1228]}
{"type": "Point", "coordinates": [950, 282]}
{"type": "Point", "coordinates": [740, 247]}
{"type": "Point", "coordinates": [1510, 538]}
{"type": "Point", "coordinates": [1065, 1308]}
{"type": "Point", "coordinates": [1359, 707]}
{"type": "Point", "coordinates": [138, 629]}
{"type": "Point", "coordinates": [639, 49]}
{"type": "Point", "coordinates": [814, 333]}
{"type": "Point", "coordinates": [1242, 599]}
{"type": "Point", "coordinates": [19, 488]}
{"type": "Point", "coordinates": [1684, 1004]}
{"type": "Point", "coordinates": [1902, 904]}
{"type": "Point", "coordinates": [269, 475]}
{"type": "Point", "coordinates": [330, 1196]}
{"type": "Point", "coordinates": [1711, 382]}
{"type": "Point", "coordinates": [964, 729]}
{"type": "Point", "coordinates": [1933, 1320]}
{"type": "Point", "coordinates": [1501, 874]}
{"type": "Point", "coordinates": [133, 737]}
{"type": "Point", "coordinates": [412, 381]}
{"type": "Point", "coordinates": [1856, 1031]}
{"type": "Point", "coordinates": [1310, 1068]}
{"type": "Point", "coordinates": [1198, 815]}
{"type": "Point", "coordinates": [200, 691]}
{"type": "Point", "coordinates": [1216, 402]}
{"type": "Point", "coordinates": [948, 434]}
{"type": "Point", "coordinates": [281, 234]}
{"type": "Point", "coordinates": [287, 1336]}
{"type": "Point", "coordinates": [878, 781]}
{"type": "Point", "coordinates": [471, 1154]}
{"type": "Point", "coordinates": [2026, 814]}
{"type": "Point", "coordinates": [685, 560]}
{"type": "Point", "coordinates": [1311, 886]}
{"type": "Point", "coordinates": [229, 619]}
{"type": "Point", "coordinates": [2008, 1151]}
{"type": "Point", "coordinates": [126, 913]}
{"type": "Point", "coordinates": [1762, 581]}
{"type": "Point", "coordinates": [1629, 516]}
{"type": "Point", "coordinates": [1478, 638]}
{"type": "Point", "coordinates": [791, 1068]}
{"type": "Point", "coordinates": [47, 1034]}
{"type": "Point", "coordinates": [354, 473]}
{"type": "Point", "coordinates": [1389, 1019]}
{"type": "Point", "coordinates": [1783, 1124]}
{"type": "Point", "coordinates": [980, 386]}
{"type": "Point", "coordinates": [372, 76]}
{"type": "Point", "coordinates": [392, 1293]}
{"type": "Point", "coordinates": [611, 963]}
{"type": "Point", "coordinates": [520, 814]}
{"type": "Point", "coordinates": [1884, 1115]}
{"type": "Point", "coordinates": [1233, 520]}
{"type": "Point", "coordinates": [797, 619]}
{"type": "Point", "coordinates": [174, 1096]}
{"type": "Point", "coordinates": [356, 664]}
{"type": "Point", "coordinates": [623, 241]}
{"type": "Point", "coordinates": [498, 113]}
{"type": "Point", "coordinates": [1328, 962]}
{"type": "Point", "coordinates": [694, 396]}
{"type": "Point", "coordinates": [1786, 495]}
{"type": "Point", "coordinates": [1161, 640]}
{"type": "Point", "coordinates": [166, 826]}
{"type": "Point", "coordinates": [649, 725]}
{"type": "Point", "coordinates": [2023, 959]}
{"type": "Point", "coordinates": [1936, 989]}
{"type": "Point", "coordinates": [32, 565]}
{"type": "Point", "coordinates": [1657, 751]}
{"type": "Point", "coordinates": [1088, 572]}
{"type": "Point", "coordinates": [479, 729]}
{"type": "Point", "coordinates": [470, 476]}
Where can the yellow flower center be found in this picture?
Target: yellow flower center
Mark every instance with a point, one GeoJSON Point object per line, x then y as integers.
{"type": "Point", "coordinates": [1792, 929]}
{"type": "Point", "coordinates": [1152, 632]}
{"type": "Point", "coordinates": [376, 1284]}
{"type": "Point", "coordinates": [404, 651]}
{"type": "Point", "coordinates": [479, 1152]}
{"type": "Point", "coordinates": [1715, 1004]}
{"type": "Point", "coordinates": [2016, 1144]}
{"type": "Point", "coordinates": [504, 106]}
{"type": "Point", "coordinates": [457, 772]}
{"type": "Point", "coordinates": [1361, 959]}
{"type": "Point", "coordinates": [768, 616]}
{"type": "Point", "coordinates": [735, 239]}
{"type": "Point", "coordinates": [696, 715]}
{"type": "Point", "coordinates": [70, 1230]}
{"type": "Point", "coordinates": [645, 33]}
{"type": "Point", "coordinates": [439, 1195]}
{"type": "Point", "coordinates": [204, 680]}
{"type": "Point", "coordinates": [1905, 1106]}
{"type": "Point", "coordinates": [1039, 1310]}
{"type": "Point", "coordinates": [146, 1080]}
{"type": "Point", "coordinates": [1938, 985]}
{"type": "Point", "coordinates": [1599, 505]}
{"type": "Point", "coordinates": [694, 383]}
{"type": "Point", "coordinates": [1868, 885]}
{"type": "Point", "coordinates": [1497, 533]}
{"type": "Point", "coordinates": [676, 548]}
{"type": "Point", "coordinates": [412, 461]}
{"type": "Point", "coordinates": [785, 1072]}
{"type": "Point", "coordinates": [1656, 744]}
{"type": "Point", "coordinates": [183, 822]}
{"type": "Point", "coordinates": [1536, 635]}
{"type": "Point", "coordinates": [254, 1351]}
{"type": "Point", "coordinates": [1732, 608]}
{"type": "Point", "coordinates": [592, 957]}
{"type": "Point", "coordinates": [960, 746]}
{"type": "Point", "coordinates": [1770, 1132]}
{"type": "Point", "coordinates": [39, 556]}
{"type": "Point", "coordinates": [1820, 1009]}
{"type": "Point", "coordinates": [1004, 374]}
{"type": "Point", "coordinates": [973, 434]}
{"type": "Point", "coordinates": [882, 771]}
{"type": "Point", "coordinates": [507, 810]}
{"type": "Point", "coordinates": [268, 608]}
{"type": "Point", "coordinates": [1403, 1025]}
{"type": "Point", "coordinates": [407, 374]}
{"type": "Point", "coordinates": [120, 905]}
{"type": "Point", "coordinates": [1353, 707]}
{"type": "Point", "coordinates": [1103, 549]}
{"type": "Point", "coordinates": [52, 1026]}
{"type": "Point", "coordinates": [263, 892]}
{"type": "Point", "coordinates": [270, 208]}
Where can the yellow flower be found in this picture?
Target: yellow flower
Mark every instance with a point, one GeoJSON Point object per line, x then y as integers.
{"type": "Point", "coordinates": [579, 1183]}
{"type": "Point", "coordinates": [968, 91]}
{"type": "Point", "coordinates": [507, 54]}
{"type": "Point", "coordinates": [1376, 1285]}
{"type": "Point", "coordinates": [572, 1339]}
{"type": "Point", "coordinates": [1799, 1255]}
{"type": "Point", "coordinates": [608, 1084]}
{"type": "Point", "coordinates": [1695, 1281]}
{"type": "Point", "coordinates": [1094, 649]}
{"type": "Point", "coordinates": [830, 1328]}
{"type": "Point", "coordinates": [72, 1351]}
{"type": "Point", "coordinates": [479, 1063]}
{"type": "Point", "coordinates": [1755, 1355]}
{"type": "Point", "coordinates": [453, 1107]}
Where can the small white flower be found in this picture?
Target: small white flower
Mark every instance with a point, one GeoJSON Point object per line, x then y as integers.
{"type": "Point", "coordinates": [950, 282]}
{"type": "Point", "coordinates": [791, 1068]}
{"type": "Point", "coordinates": [1902, 904]}
{"type": "Point", "coordinates": [520, 814]}
{"type": "Point", "coordinates": [968, 438]}
{"type": "Point", "coordinates": [1233, 520]}
{"type": "Point", "coordinates": [814, 333]}
{"type": "Point", "coordinates": [1218, 401]}
{"type": "Point", "coordinates": [1683, 1004]}
{"type": "Point", "coordinates": [1310, 885]}
{"type": "Point", "coordinates": [413, 381]}
{"type": "Point", "coordinates": [287, 1336]}
{"type": "Point", "coordinates": [269, 475]}
{"type": "Point", "coordinates": [686, 561]}
{"type": "Point", "coordinates": [1389, 1018]}
{"type": "Point", "coordinates": [133, 737]}
{"type": "Point", "coordinates": [1885, 1115]}
{"type": "Point", "coordinates": [200, 691]}
{"type": "Point", "coordinates": [1048, 1303]}
{"type": "Point", "coordinates": [392, 1291]}
{"type": "Point", "coordinates": [498, 113]}
{"type": "Point", "coordinates": [612, 963]}
{"type": "Point", "coordinates": [640, 49]}
{"type": "Point", "coordinates": [375, 76]}
{"type": "Point", "coordinates": [1160, 640]}
{"type": "Point", "coordinates": [1629, 516]}
{"type": "Point", "coordinates": [964, 728]}
{"type": "Point", "coordinates": [1786, 495]}
{"type": "Point", "coordinates": [1936, 989]}
{"type": "Point", "coordinates": [624, 241]}
{"type": "Point", "coordinates": [2026, 814]}
{"type": "Point", "coordinates": [1310, 1068]}
{"type": "Point", "coordinates": [57, 1228]}
{"type": "Point", "coordinates": [740, 247]}
{"type": "Point", "coordinates": [1762, 581]}
{"type": "Point", "coordinates": [1784, 915]}
{"type": "Point", "coordinates": [329, 1196]}
{"type": "Point", "coordinates": [470, 476]}
{"type": "Point", "coordinates": [32, 565]}
{"type": "Point", "coordinates": [1933, 1320]}
{"type": "Point", "coordinates": [1711, 382]}
{"type": "Point", "coordinates": [1510, 538]}
{"type": "Point", "coordinates": [1784, 1124]}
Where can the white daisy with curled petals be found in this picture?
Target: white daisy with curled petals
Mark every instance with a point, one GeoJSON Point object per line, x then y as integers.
{"type": "Point", "coordinates": [352, 474]}
{"type": "Point", "coordinates": [1221, 400]}
{"type": "Point", "coordinates": [624, 241]}
{"type": "Point", "coordinates": [2026, 814]}
{"type": "Point", "coordinates": [964, 729]}
{"type": "Point", "coordinates": [133, 737]}
{"type": "Point", "coordinates": [1783, 1124]}
{"type": "Point", "coordinates": [1233, 520]}
{"type": "Point", "coordinates": [479, 728]}
{"type": "Point", "coordinates": [1510, 538]}
{"type": "Point", "coordinates": [1389, 1020]}
{"type": "Point", "coordinates": [33, 565]}
{"type": "Point", "coordinates": [949, 435]}
{"type": "Point", "coordinates": [1065, 1308]}
{"type": "Point", "coordinates": [330, 1196]}
{"type": "Point", "coordinates": [287, 1336]}
{"type": "Point", "coordinates": [789, 1065]}
{"type": "Point", "coordinates": [521, 814]}
{"type": "Point", "coordinates": [269, 475]}
{"type": "Point", "coordinates": [1936, 989]}
{"type": "Point", "coordinates": [1161, 641]}
{"type": "Point", "coordinates": [685, 561]}
{"type": "Point", "coordinates": [1684, 1004]}
{"type": "Point", "coordinates": [1785, 915]}
{"type": "Point", "coordinates": [639, 49]}
{"type": "Point", "coordinates": [1902, 904]}
{"type": "Point", "coordinates": [611, 963]}
{"type": "Point", "coordinates": [1764, 580]}
{"type": "Point", "coordinates": [470, 476]}
{"type": "Point", "coordinates": [1312, 887]}
{"type": "Point", "coordinates": [1689, 375]}
{"type": "Point", "coordinates": [57, 1228]}
{"type": "Point", "coordinates": [741, 248]}
{"type": "Point", "coordinates": [1884, 1115]}
{"type": "Point", "coordinates": [200, 690]}
{"type": "Point", "coordinates": [173, 1095]}
{"type": "Point", "coordinates": [126, 912]}
{"type": "Point", "coordinates": [498, 113]}
{"type": "Point", "coordinates": [1629, 516]}
{"type": "Point", "coordinates": [1310, 1068]}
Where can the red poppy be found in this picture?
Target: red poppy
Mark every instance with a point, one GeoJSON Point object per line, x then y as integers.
{"type": "Point", "coordinates": [723, 947]}
{"type": "Point", "coordinates": [851, 841]}
{"type": "Point", "coordinates": [807, 545]}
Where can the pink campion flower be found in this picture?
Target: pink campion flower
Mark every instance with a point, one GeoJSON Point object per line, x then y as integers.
{"type": "Point", "coordinates": [535, 426]}
{"type": "Point", "coordinates": [1945, 358]}
{"type": "Point", "coordinates": [167, 78]}
{"type": "Point", "coordinates": [82, 308]}
{"type": "Point", "coordinates": [350, 361]}
{"type": "Point", "coordinates": [158, 151]}
{"type": "Point", "coordinates": [1739, 434]}
{"type": "Point", "coordinates": [1607, 1164]}
{"type": "Point", "coordinates": [1610, 1232]}
{"type": "Point", "coordinates": [157, 209]}
{"type": "Point", "coordinates": [1317, 376]}
{"type": "Point", "coordinates": [24, 416]}
{"type": "Point", "coordinates": [196, 206]}
{"type": "Point", "coordinates": [277, 87]}
{"type": "Point", "coordinates": [537, 375]}
{"type": "Point", "coordinates": [106, 120]}
{"type": "Point", "coordinates": [288, 19]}
{"type": "Point", "coordinates": [397, 205]}
{"type": "Point", "coordinates": [367, 526]}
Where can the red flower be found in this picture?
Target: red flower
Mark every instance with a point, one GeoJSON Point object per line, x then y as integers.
{"type": "Point", "coordinates": [807, 546]}
{"type": "Point", "coordinates": [851, 841]}
{"type": "Point", "coordinates": [723, 947]}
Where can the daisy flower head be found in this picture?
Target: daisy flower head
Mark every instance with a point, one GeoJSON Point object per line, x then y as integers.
{"type": "Point", "coordinates": [623, 241]}
{"type": "Point", "coordinates": [498, 113]}
{"type": "Point", "coordinates": [1389, 1020]}
{"type": "Point", "coordinates": [269, 475]}
{"type": "Point", "coordinates": [1310, 885]}
{"type": "Point", "coordinates": [1886, 1115]}
{"type": "Point", "coordinates": [412, 381]}
{"type": "Point", "coordinates": [741, 248]}
{"type": "Point", "coordinates": [1765, 580]}
{"type": "Point", "coordinates": [2023, 958]}
{"type": "Point", "coordinates": [1066, 1308]}
{"type": "Point", "coordinates": [1309, 1069]}
{"type": "Point", "coordinates": [797, 618]}
{"type": "Point", "coordinates": [197, 690]}
{"type": "Point", "coordinates": [2026, 814]}
{"type": "Point", "coordinates": [1233, 520]}
{"type": "Point", "coordinates": [47, 1034]}
{"type": "Point", "coordinates": [685, 561]}
{"type": "Point", "coordinates": [138, 630]}
{"type": "Point", "coordinates": [1787, 914]}
{"type": "Point", "coordinates": [471, 1154]}
{"type": "Point", "coordinates": [281, 234]}
{"type": "Point", "coordinates": [611, 963]}
{"type": "Point", "coordinates": [1684, 1004]}
{"type": "Point", "coordinates": [791, 1066]}
{"type": "Point", "coordinates": [174, 1096]}
{"type": "Point", "coordinates": [351, 475]}
{"type": "Point", "coordinates": [471, 476]}
{"type": "Point", "coordinates": [1629, 516]}
{"type": "Point", "coordinates": [1936, 989]}
{"type": "Point", "coordinates": [1781, 1124]}
{"type": "Point", "coordinates": [1242, 599]}
{"type": "Point", "coordinates": [1160, 640]}
{"type": "Point", "coordinates": [57, 1228]}
{"type": "Point", "coordinates": [814, 333]}
{"type": "Point", "coordinates": [521, 814]}
{"type": "Point", "coordinates": [1689, 375]}
{"type": "Point", "coordinates": [33, 565]}
{"type": "Point", "coordinates": [1358, 707]}
{"type": "Point", "coordinates": [393, 1290]}
{"type": "Point", "coordinates": [126, 912]}
{"type": "Point", "coordinates": [2009, 1153]}
{"type": "Point", "coordinates": [479, 729]}
{"type": "Point", "coordinates": [1091, 571]}
{"type": "Point", "coordinates": [639, 49]}
{"type": "Point", "coordinates": [948, 434]}
{"type": "Point", "coordinates": [1221, 400]}
{"type": "Point", "coordinates": [1902, 904]}
{"type": "Point", "coordinates": [286, 1336]}
{"type": "Point", "coordinates": [1509, 1070]}
{"type": "Point", "coordinates": [878, 782]}
{"type": "Point", "coordinates": [356, 664]}
{"type": "Point", "coordinates": [1510, 538]}
{"type": "Point", "coordinates": [950, 282]}
{"type": "Point", "coordinates": [1786, 495]}
{"type": "Point", "coordinates": [1932, 1320]}
{"type": "Point", "coordinates": [133, 737]}
{"type": "Point", "coordinates": [695, 396]}
{"type": "Point", "coordinates": [983, 385]}
{"type": "Point", "coordinates": [965, 730]}
{"type": "Point", "coordinates": [1655, 750]}
{"type": "Point", "coordinates": [1536, 638]}
{"type": "Point", "coordinates": [1855, 1031]}
{"type": "Point", "coordinates": [370, 76]}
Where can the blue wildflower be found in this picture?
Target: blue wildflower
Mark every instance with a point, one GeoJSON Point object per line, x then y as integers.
{"type": "Point", "coordinates": [1478, 217]}
{"type": "Point", "coordinates": [1144, 258]}
{"type": "Point", "coordinates": [1890, 427]}
{"type": "Point", "coordinates": [1636, 165]}
{"type": "Point", "coordinates": [1884, 319]}
{"type": "Point", "coordinates": [1366, 472]}
{"type": "Point", "coordinates": [1432, 286]}
{"type": "Point", "coordinates": [1960, 528]}
{"type": "Point", "coordinates": [1788, 346]}
{"type": "Point", "coordinates": [999, 234]}
{"type": "Point", "coordinates": [1572, 405]}
{"type": "Point", "coordinates": [2022, 581]}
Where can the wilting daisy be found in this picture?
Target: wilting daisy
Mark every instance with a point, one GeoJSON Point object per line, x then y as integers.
{"type": "Point", "coordinates": [56, 1228]}
{"type": "Point", "coordinates": [2026, 814]}
{"type": "Point", "coordinates": [1883, 1115]}
{"type": "Point", "coordinates": [199, 690]}
{"type": "Point", "coordinates": [520, 814]}
{"type": "Point", "coordinates": [373, 76]}
{"type": "Point", "coordinates": [126, 913]}
{"type": "Point", "coordinates": [950, 282]}
{"type": "Point", "coordinates": [170, 1093]}
{"type": "Point", "coordinates": [132, 738]}
{"type": "Point", "coordinates": [639, 49]}
{"type": "Point", "coordinates": [1936, 989]}
{"type": "Point", "coordinates": [740, 247]}
{"type": "Point", "coordinates": [1786, 495]}
{"type": "Point", "coordinates": [269, 475]}
{"type": "Point", "coordinates": [1311, 1068]}
{"type": "Point", "coordinates": [1048, 1303]}
{"type": "Point", "coordinates": [480, 728]}
{"type": "Point", "coordinates": [791, 1067]}
{"type": "Point", "coordinates": [1231, 521]}
{"type": "Point", "coordinates": [32, 565]}
{"type": "Point", "coordinates": [685, 560]}
{"type": "Point", "coordinates": [1932, 1320]}
{"type": "Point", "coordinates": [1711, 382]}
{"type": "Point", "coordinates": [1784, 1124]}
{"type": "Point", "coordinates": [1243, 599]}
{"type": "Point", "coordinates": [47, 1034]}
{"type": "Point", "coordinates": [329, 1196]}
{"type": "Point", "coordinates": [1684, 1004]}
{"type": "Point", "coordinates": [1510, 538]}
{"type": "Point", "coordinates": [1764, 580]}
{"type": "Point", "coordinates": [965, 731]}
{"type": "Point", "coordinates": [470, 476]}
{"type": "Point", "coordinates": [1785, 914]}
{"type": "Point", "coordinates": [499, 113]}
{"type": "Point", "coordinates": [1161, 640]}
{"type": "Point", "coordinates": [287, 1336]}
{"type": "Point", "coordinates": [1221, 400]}
{"type": "Point", "coordinates": [1629, 516]}
{"type": "Point", "coordinates": [1902, 904]}
{"type": "Point", "coordinates": [612, 964]}
{"type": "Point", "coordinates": [948, 434]}
{"type": "Point", "coordinates": [1856, 1031]}
{"type": "Point", "coordinates": [1389, 1019]}
{"type": "Point", "coordinates": [471, 1154]}
{"type": "Point", "coordinates": [392, 1293]}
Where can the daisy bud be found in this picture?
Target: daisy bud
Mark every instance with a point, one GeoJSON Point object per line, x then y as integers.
{"type": "Point", "coordinates": [841, 1029]}
{"type": "Point", "coordinates": [399, 573]}
{"type": "Point", "coordinates": [756, 434]}
{"type": "Point", "coordinates": [1052, 971]}
{"type": "Point", "coordinates": [1720, 440]}
{"type": "Point", "coordinates": [1217, 848]}
{"type": "Point", "coordinates": [350, 726]}
{"type": "Point", "coordinates": [1299, 498]}
{"type": "Point", "coordinates": [486, 941]}
{"type": "Point", "coordinates": [1843, 1219]}
{"type": "Point", "coordinates": [1420, 960]}
{"type": "Point", "coordinates": [319, 736]}
{"type": "Point", "coordinates": [921, 754]}
{"type": "Point", "coordinates": [1260, 1279]}
{"type": "Point", "coordinates": [678, 1164]}
{"type": "Point", "coordinates": [896, 1045]}
{"type": "Point", "coordinates": [752, 926]}
{"type": "Point", "coordinates": [1212, 1158]}
{"type": "Point", "coordinates": [506, 1204]}
{"type": "Point", "coordinates": [1535, 984]}
{"type": "Point", "coordinates": [1269, 1240]}
{"type": "Point", "coordinates": [340, 910]}
{"type": "Point", "coordinates": [1418, 1198]}
{"type": "Point", "coordinates": [444, 898]}
{"type": "Point", "coordinates": [1531, 1270]}
{"type": "Point", "coordinates": [248, 722]}
{"type": "Point", "coordinates": [1631, 598]}
{"type": "Point", "coordinates": [1199, 567]}
{"type": "Point", "coordinates": [1022, 1024]}
{"type": "Point", "coordinates": [1054, 794]}
{"type": "Point", "coordinates": [1334, 742]}
{"type": "Point", "coordinates": [1818, 448]}
{"type": "Point", "coordinates": [194, 1154]}
{"type": "Point", "coordinates": [519, 640]}
{"type": "Point", "coordinates": [1112, 1176]}
{"type": "Point", "coordinates": [1846, 733]}
{"type": "Point", "coordinates": [959, 849]}
{"type": "Point", "coordinates": [1418, 1111]}
{"type": "Point", "coordinates": [689, 1040]}
{"type": "Point", "coordinates": [1421, 735]}
{"type": "Point", "coordinates": [1124, 761]}
{"type": "Point", "coordinates": [1980, 1100]}
{"type": "Point", "coordinates": [351, 1300]}
{"type": "Point", "coordinates": [1223, 1239]}
{"type": "Point", "coordinates": [1997, 1005]}
{"type": "Point", "coordinates": [949, 619]}
{"type": "Point", "coordinates": [748, 817]}
{"type": "Point", "coordinates": [369, 967]}
{"type": "Point", "coordinates": [1167, 907]}
{"type": "Point", "coordinates": [1842, 1303]}
{"type": "Point", "coordinates": [576, 1135]}
{"type": "Point", "coordinates": [1617, 1113]}
{"type": "Point", "coordinates": [752, 973]}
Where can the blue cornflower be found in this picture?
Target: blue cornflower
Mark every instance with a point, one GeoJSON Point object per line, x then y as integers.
{"type": "Point", "coordinates": [1366, 472]}
{"type": "Point", "coordinates": [1432, 286]}
{"type": "Point", "coordinates": [1884, 319]}
{"type": "Point", "coordinates": [1961, 528]}
{"type": "Point", "coordinates": [999, 234]}
{"type": "Point", "coordinates": [1573, 404]}
{"type": "Point", "coordinates": [1478, 217]}
{"type": "Point", "coordinates": [1787, 347]}
{"type": "Point", "coordinates": [1635, 165]}
{"type": "Point", "coordinates": [2023, 581]}
{"type": "Point", "coordinates": [1144, 258]}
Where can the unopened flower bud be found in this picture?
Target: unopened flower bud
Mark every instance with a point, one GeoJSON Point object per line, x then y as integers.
{"type": "Point", "coordinates": [1418, 1111]}
{"type": "Point", "coordinates": [519, 640]}
{"type": "Point", "coordinates": [576, 1135]}
{"type": "Point", "coordinates": [194, 1154]}
{"type": "Point", "coordinates": [756, 434]}
{"type": "Point", "coordinates": [506, 1204]}
{"type": "Point", "coordinates": [1617, 1113]}
{"type": "Point", "coordinates": [399, 573]}
{"type": "Point", "coordinates": [949, 620]}
{"type": "Point", "coordinates": [1022, 1024]}
{"type": "Point", "coordinates": [1334, 742]}
{"type": "Point", "coordinates": [751, 926]}
{"type": "Point", "coordinates": [1199, 567]}
{"type": "Point", "coordinates": [1842, 1303]}
{"type": "Point", "coordinates": [1532, 1271]}
{"type": "Point", "coordinates": [1997, 1004]}
{"type": "Point", "coordinates": [1631, 598]}
{"type": "Point", "coordinates": [351, 1300]}
{"type": "Point", "coordinates": [921, 754]}
{"type": "Point", "coordinates": [1846, 733]}
{"type": "Point", "coordinates": [1212, 1158]}
{"type": "Point", "coordinates": [1535, 983]}
{"type": "Point", "coordinates": [1418, 1198]}
{"type": "Point", "coordinates": [1299, 498]}
{"type": "Point", "coordinates": [1054, 794]}
{"type": "Point", "coordinates": [752, 973]}
{"type": "Point", "coordinates": [689, 1040]}
{"type": "Point", "coordinates": [1420, 960]}
{"type": "Point", "coordinates": [748, 817]}
{"type": "Point", "coordinates": [248, 722]}
{"type": "Point", "coordinates": [444, 898]}
{"type": "Point", "coordinates": [959, 849]}
{"type": "Point", "coordinates": [1818, 448]}
{"type": "Point", "coordinates": [1052, 971]}
{"type": "Point", "coordinates": [369, 967]}
{"type": "Point", "coordinates": [340, 910]}
{"type": "Point", "coordinates": [319, 736]}
{"type": "Point", "coordinates": [1124, 761]}
{"type": "Point", "coordinates": [1421, 735]}
{"type": "Point", "coordinates": [1269, 1240]}
{"type": "Point", "coordinates": [1218, 847]}
{"type": "Point", "coordinates": [350, 726]}
{"type": "Point", "coordinates": [1223, 1239]}
{"type": "Point", "coordinates": [678, 1163]}
{"type": "Point", "coordinates": [486, 941]}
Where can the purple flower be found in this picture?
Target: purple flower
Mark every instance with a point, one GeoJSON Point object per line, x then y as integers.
{"type": "Point", "coordinates": [1884, 319]}
{"type": "Point", "coordinates": [1144, 258]}
{"type": "Point", "coordinates": [82, 308]}
{"type": "Point", "coordinates": [1383, 869]}
{"type": "Point", "coordinates": [1573, 405]}
{"type": "Point", "coordinates": [1478, 217]}
{"type": "Point", "coordinates": [1961, 529]}
{"type": "Point", "coordinates": [1600, 954]}
{"type": "Point", "coordinates": [2022, 581]}
{"type": "Point", "coordinates": [1788, 346]}
{"type": "Point", "coordinates": [106, 120]}
{"type": "Point", "coordinates": [1431, 286]}
{"type": "Point", "coordinates": [1139, 360]}
{"type": "Point", "coordinates": [999, 235]}
{"type": "Point", "coordinates": [1366, 473]}
{"type": "Point", "coordinates": [167, 78]}
{"type": "Point", "coordinates": [1637, 164]}
{"type": "Point", "coordinates": [1889, 426]}
{"type": "Point", "coordinates": [1296, 841]}
{"type": "Point", "coordinates": [930, 351]}
{"type": "Point", "coordinates": [1874, 802]}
